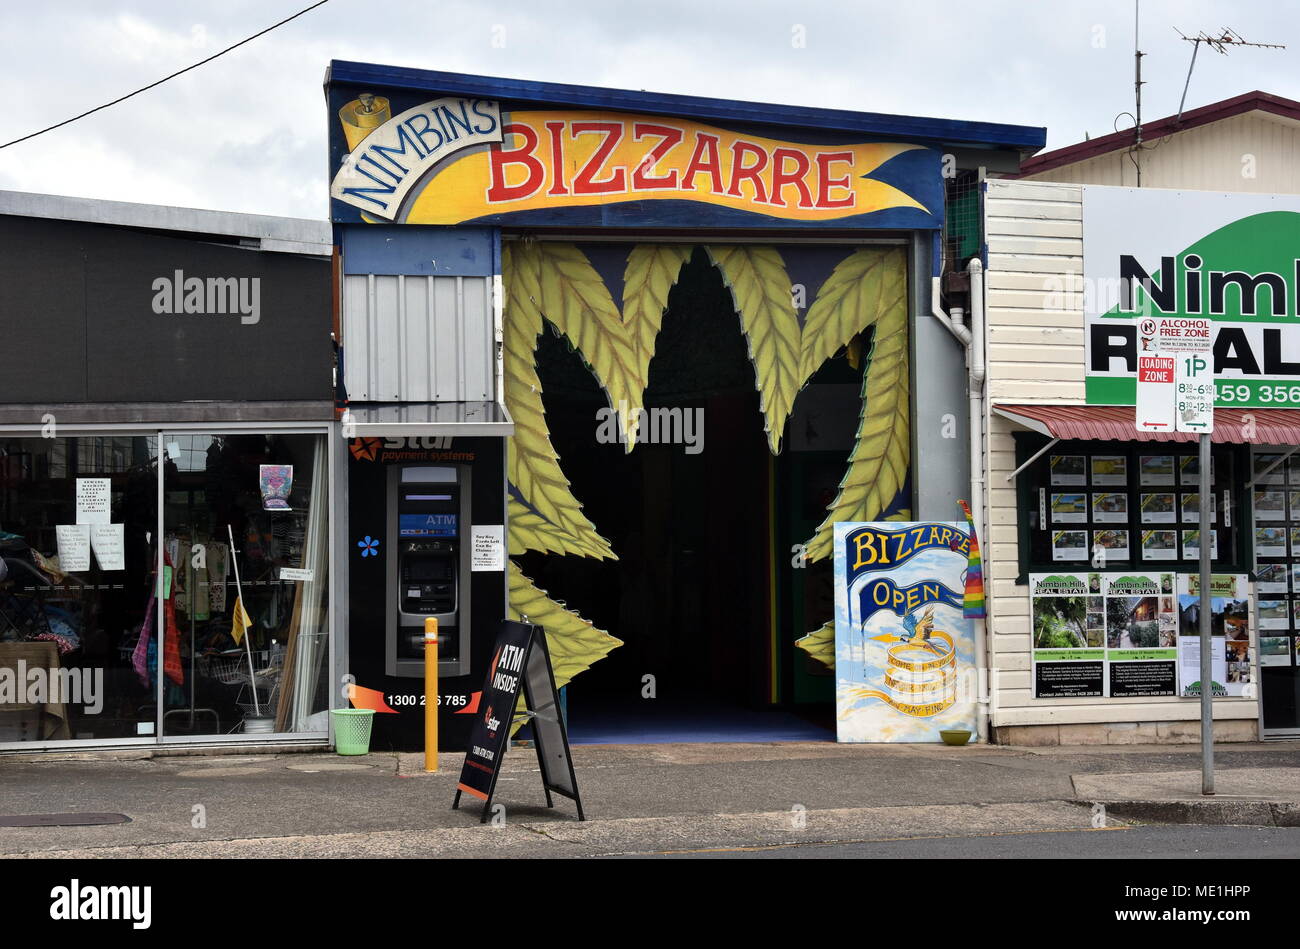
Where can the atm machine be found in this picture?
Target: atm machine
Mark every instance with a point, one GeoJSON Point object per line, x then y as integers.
{"type": "Point", "coordinates": [428, 567]}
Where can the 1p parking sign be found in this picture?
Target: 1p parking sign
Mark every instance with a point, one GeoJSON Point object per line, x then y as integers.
{"type": "Point", "coordinates": [1194, 382]}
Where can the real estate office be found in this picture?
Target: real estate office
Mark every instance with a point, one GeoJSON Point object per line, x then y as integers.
{"type": "Point", "coordinates": [1094, 525]}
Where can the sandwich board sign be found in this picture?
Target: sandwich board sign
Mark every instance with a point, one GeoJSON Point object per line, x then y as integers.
{"type": "Point", "coordinates": [521, 663]}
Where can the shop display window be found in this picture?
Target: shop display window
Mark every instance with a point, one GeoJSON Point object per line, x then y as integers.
{"type": "Point", "coordinates": [75, 579]}
{"type": "Point", "coordinates": [268, 495]}
{"type": "Point", "coordinates": [1128, 505]}
{"type": "Point", "coordinates": [94, 648]}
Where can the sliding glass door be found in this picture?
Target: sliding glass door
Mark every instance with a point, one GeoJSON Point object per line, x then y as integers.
{"type": "Point", "coordinates": [244, 626]}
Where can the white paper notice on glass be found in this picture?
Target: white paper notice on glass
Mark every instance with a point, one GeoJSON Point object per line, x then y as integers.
{"type": "Point", "coordinates": [487, 548]}
{"type": "Point", "coordinates": [93, 499]}
{"type": "Point", "coordinates": [106, 540]}
{"type": "Point", "coordinates": [74, 547]}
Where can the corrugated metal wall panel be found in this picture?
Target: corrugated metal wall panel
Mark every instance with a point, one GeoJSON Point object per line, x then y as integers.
{"type": "Point", "coordinates": [417, 338]}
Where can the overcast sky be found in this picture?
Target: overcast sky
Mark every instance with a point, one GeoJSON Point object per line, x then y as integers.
{"type": "Point", "coordinates": [247, 132]}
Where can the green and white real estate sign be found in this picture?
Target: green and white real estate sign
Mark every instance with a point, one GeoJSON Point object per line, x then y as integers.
{"type": "Point", "coordinates": [1156, 254]}
{"type": "Point", "coordinates": [1111, 635]}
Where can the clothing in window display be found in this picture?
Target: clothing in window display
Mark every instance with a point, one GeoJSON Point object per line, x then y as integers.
{"type": "Point", "coordinates": [51, 714]}
{"type": "Point", "coordinates": [82, 606]}
{"type": "Point", "coordinates": [144, 657]}
{"type": "Point", "coordinates": [218, 487]}
{"type": "Point", "coordinates": [98, 611]}
{"type": "Point", "coordinates": [218, 573]}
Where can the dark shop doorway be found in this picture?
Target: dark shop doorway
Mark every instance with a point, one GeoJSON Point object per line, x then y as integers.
{"type": "Point", "coordinates": [690, 517]}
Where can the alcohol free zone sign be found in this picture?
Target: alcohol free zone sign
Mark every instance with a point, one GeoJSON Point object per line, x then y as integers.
{"type": "Point", "coordinates": [1185, 271]}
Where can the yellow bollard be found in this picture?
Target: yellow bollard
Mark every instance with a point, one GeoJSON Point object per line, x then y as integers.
{"type": "Point", "coordinates": [430, 693]}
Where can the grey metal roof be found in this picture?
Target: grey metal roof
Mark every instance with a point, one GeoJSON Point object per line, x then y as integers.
{"type": "Point", "coordinates": [282, 234]}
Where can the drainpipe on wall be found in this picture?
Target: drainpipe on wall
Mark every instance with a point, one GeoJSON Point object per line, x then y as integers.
{"type": "Point", "coordinates": [936, 310]}
{"type": "Point", "coordinates": [972, 339]}
{"type": "Point", "coordinates": [978, 375]}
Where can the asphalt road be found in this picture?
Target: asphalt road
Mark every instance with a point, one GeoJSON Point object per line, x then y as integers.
{"type": "Point", "coordinates": [639, 799]}
{"type": "Point", "coordinates": [1182, 841]}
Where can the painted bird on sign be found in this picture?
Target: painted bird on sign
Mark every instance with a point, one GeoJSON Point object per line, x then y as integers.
{"type": "Point", "coordinates": [920, 633]}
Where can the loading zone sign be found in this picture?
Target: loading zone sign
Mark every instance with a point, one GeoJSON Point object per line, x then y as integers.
{"type": "Point", "coordinates": [1155, 393]}
{"type": "Point", "coordinates": [1175, 393]}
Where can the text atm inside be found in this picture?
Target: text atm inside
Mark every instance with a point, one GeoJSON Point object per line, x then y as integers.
{"type": "Point", "coordinates": [428, 567]}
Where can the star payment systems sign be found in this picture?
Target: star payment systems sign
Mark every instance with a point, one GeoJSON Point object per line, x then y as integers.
{"type": "Point", "coordinates": [1155, 392]}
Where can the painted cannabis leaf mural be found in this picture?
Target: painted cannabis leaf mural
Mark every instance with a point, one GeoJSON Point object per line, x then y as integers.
{"type": "Point", "coordinates": [556, 283]}
{"type": "Point", "coordinates": [761, 289]}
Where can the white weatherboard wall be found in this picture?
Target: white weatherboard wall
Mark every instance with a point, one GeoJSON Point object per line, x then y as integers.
{"type": "Point", "coordinates": [1257, 152]}
{"type": "Point", "coordinates": [1035, 352]}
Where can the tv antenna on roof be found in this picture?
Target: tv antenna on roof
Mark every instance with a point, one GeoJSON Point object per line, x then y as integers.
{"type": "Point", "coordinates": [1220, 43]}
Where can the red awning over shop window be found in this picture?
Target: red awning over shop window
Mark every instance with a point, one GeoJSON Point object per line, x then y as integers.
{"type": "Point", "coordinates": [1116, 422]}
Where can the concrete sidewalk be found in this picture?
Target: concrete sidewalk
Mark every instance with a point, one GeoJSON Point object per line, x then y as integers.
{"type": "Point", "coordinates": [638, 798]}
{"type": "Point", "coordinates": [1258, 796]}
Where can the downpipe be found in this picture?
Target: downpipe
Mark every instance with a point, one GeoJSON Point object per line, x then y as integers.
{"type": "Point", "coordinates": [975, 357]}
{"type": "Point", "coordinates": [972, 339]}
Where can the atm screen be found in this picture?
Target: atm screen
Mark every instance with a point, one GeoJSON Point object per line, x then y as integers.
{"type": "Point", "coordinates": [427, 525]}
{"type": "Point", "coordinates": [418, 570]}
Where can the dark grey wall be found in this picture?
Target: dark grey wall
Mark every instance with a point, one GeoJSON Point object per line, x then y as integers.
{"type": "Point", "coordinates": [940, 409]}
{"type": "Point", "coordinates": [77, 322]}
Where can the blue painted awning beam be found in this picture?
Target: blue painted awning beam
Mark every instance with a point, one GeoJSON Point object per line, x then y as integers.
{"type": "Point", "coordinates": [951, 132]}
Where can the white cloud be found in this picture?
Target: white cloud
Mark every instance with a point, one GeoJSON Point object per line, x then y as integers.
{"type": "Point", "coordinates": [248, 131]}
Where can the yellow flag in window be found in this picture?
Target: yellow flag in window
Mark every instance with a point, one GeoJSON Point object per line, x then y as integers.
{"type": "Point", "coordinates": [241, 621]}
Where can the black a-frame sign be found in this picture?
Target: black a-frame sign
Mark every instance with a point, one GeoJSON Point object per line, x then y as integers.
{"type": "Point", "coordinates": [521, 662]}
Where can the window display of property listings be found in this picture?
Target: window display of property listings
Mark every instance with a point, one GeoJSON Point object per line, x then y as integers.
{"type": "Point", "coordinates": [1128, 634]}
{"type": "Point", "coordinates": [1110, 635]}
{"type": "Point", "coordinates": [1277, 548]}
{"type": "Point", "coordinates": [1232, 658]}
{"type": "Point", "coordinates": [1105, 507]}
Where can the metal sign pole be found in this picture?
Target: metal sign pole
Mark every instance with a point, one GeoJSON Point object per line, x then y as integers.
{"type": "Point", "coordinates": [1194, 412]}
{"type": "Point", "coordinates": [1207, 664]}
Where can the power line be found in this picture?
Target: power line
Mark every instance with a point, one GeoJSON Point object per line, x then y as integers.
{"type": "Point", "coordinates": [179, 72]}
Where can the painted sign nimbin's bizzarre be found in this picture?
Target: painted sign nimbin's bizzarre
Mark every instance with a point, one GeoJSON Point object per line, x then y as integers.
{"type": "Point", "coordinates": [388, 159]}
{"type": "Point", "coordinates": [457, 160]}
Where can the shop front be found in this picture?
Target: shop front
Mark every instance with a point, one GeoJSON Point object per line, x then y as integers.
{"type": "Point", "coordinates": [1095, 535]}
{"type": "Point", "coordinates": [165, 476]}
{"type": "Point", "coordinates": [639, 353]}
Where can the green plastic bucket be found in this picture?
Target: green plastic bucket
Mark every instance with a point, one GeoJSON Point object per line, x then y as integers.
{"type": "Point", "coordinates": [352, 730]}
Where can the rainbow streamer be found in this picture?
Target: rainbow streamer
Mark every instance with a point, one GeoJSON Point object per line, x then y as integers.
{"type": "Point", "coordinates": [973, 603]}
